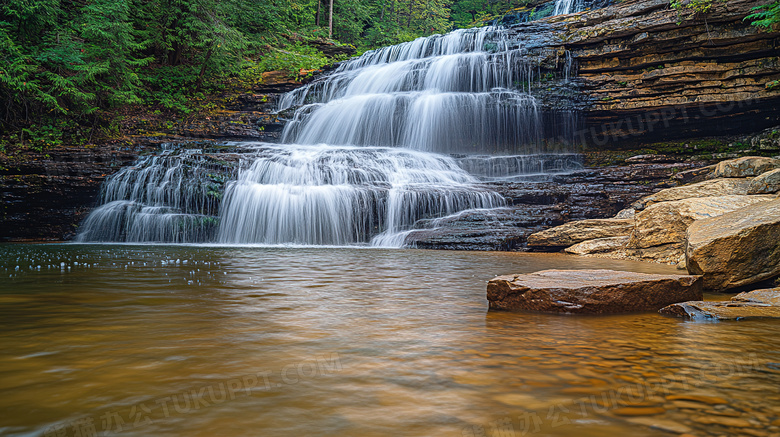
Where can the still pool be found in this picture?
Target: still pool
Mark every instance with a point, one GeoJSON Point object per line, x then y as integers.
{"type": "Point", "coordinates": [245, 341]}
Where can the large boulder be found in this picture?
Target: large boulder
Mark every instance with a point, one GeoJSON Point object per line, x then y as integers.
{"type": "Point", "coordinates": [717, 187]}
{"type": "Point", "coordinates": [749, 305]}
{"type": "Point", "coordinates": [583, 230]}
{"type": "Point", "coordinates": [590, 291]}
{"type": "Point", "coordinates": [765, 183]}
{"type": "Point", "coordinates": [667, 222]}
{"type": "Point", "coordinates": [746, 166]}
{"type": "Point", "coordinates": [737, 248]}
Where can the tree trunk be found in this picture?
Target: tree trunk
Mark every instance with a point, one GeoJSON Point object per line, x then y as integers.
{"type": "Point", "coordinates": [317, 19]}
{"type": "Point", "coordinates": [382, 15]}
{"type": "Point", "coordinates": [330, 20]}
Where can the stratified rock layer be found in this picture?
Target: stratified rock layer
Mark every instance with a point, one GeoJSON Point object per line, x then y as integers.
{"type": "Point", "coordinates": [750, 305]}
{"type": "Point", "coordinates": [590, 291]}
{"type": "Point", "coordinates": [579, 231]}
{"type": "Point", "coordinates": [738, 248]}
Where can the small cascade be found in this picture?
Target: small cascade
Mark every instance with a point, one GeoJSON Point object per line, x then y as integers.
{"type": "Point", "coordinates": [172, 197]}
{"type": "Point", "coordinates": [327, 195]}
{"type": "Point", "coordinates": [468, 91]}
{"type": "Point", "coordinates": [567, 6]}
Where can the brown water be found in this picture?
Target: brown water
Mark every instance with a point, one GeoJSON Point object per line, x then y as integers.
{"type": "Point", "coordinates": [204, 341]}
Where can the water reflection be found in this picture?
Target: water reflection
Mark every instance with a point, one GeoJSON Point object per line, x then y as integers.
{"type": "Point", "coordinates": [334, 341]}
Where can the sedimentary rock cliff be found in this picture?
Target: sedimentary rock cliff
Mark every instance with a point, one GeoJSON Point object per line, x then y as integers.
{"type": "Point", "coordinates": [651, 74]}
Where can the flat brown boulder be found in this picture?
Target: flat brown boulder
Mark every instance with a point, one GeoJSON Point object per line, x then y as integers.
{"type": "Point", "coordinates": [590, 291]}
{"type": "Point", "coordinates": [736, 249]}
{"type": "Point", "coordinates": [583, 230]}
{"type": "Point", "coordinates": [746, 166]}
{"type": "Point", "coordinates": [751, 305]}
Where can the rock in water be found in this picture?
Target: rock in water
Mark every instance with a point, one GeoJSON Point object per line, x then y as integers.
{"type": "Point", "coordinates": [727, 310]}
{"type": "Point", "coordinates": [576, 232]}
{"type": "Point", "coordinates": [766, 183]}
{"type": "Point", "coordinates": [737, 248]}
{"type": "Point", "coordinates": [749, 305]}
{"type": "Point", "coordinates": [768, 296]}
{"type": "Point", "coordinates": [590, 291]}
{"type": "Point", "coordinates": [745, 167]}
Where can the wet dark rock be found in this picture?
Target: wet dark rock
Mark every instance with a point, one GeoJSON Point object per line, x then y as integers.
{"type": "Point", "coordinates": [535, 205]}
{"type": "Point", "coordinates": [46, 195]}
{"type": "Point", "coordinates": [590, 291]}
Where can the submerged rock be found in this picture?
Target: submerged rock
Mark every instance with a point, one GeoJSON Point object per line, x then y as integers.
{"type": "Point", "coordinates": [727, 310]}
{"type": "Point", "coordinates": [590, 291]}
{"type": "Point", "coordinates": [745, 167]}
{"type": "Point", "coordinates": [576, 232]}
{"type": "Point", "coordinates": [738, 248]}
{"type": "Point", "coordinates": [765, 183]}
{"type": "Point", "coordinates": [749, 305]}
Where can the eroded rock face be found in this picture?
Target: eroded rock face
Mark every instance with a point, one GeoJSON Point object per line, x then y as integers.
{"type": "Point", "coordinates": [745, 167]}
{"type": "Point", "coordinates": [737, 248]}
{"type": "Point", "coordinates": [667, 222]}
{"type": "Point", "coordinates": [576, 232]}
{"type": "Point", "coordinates": [590, 291]}
{"type": "Point", "coordinates": [598, 245]}
{"type": "Point", "coordinates": [765, 183]}
{"type": "Point", "coordinates": [750, 305]}
{"type": "Point", "coordinates": [717, 187]}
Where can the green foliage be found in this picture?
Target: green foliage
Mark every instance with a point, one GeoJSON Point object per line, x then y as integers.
{"type": "Point", "coordinates": [292, 59]}
{"type": "Point", "coordinates": [766, 16]}
{"type": "Point", "coordinates": [67, 65]}
{"type": "Point", "coordinates": [693, 6]}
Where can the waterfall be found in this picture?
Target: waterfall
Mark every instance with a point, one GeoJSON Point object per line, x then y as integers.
{"type": "Point", "coordinates": [170, 197]}
{"type": "Point", "coordinates": [567, 7]}
{"type": "Point", "coordinates": [387, 142]}
{"type": "Point", "coordinates": [463, 92]}
{"type": "Point", "coordinates": [329, 195]}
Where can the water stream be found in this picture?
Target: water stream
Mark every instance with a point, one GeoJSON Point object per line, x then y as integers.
{"type": "Point", "coordinates": [205, 340]}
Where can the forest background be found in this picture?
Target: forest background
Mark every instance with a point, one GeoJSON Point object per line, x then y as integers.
{"type": "Point", "coordinates": [70, 68]}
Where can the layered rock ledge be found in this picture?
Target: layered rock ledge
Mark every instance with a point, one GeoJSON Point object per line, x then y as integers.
{"type": "Point", "coordinates": [758, 304]}
{"type": "Point", "coordinates": [590, 291]}
{"type": "Point", "coordinates": [711, 228]}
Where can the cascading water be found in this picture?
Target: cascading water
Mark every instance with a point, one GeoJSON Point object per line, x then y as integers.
{"type": "Point", "coordinates": [567, 7]}
{"type": "Point", "coordinates": [171, 197]}
{"type": "Point", "coordinates": [463, 92]}
{"type": "Point", "coordinates": [343, 195]}
{"type": "Point", "coordinates": [365, 153]}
